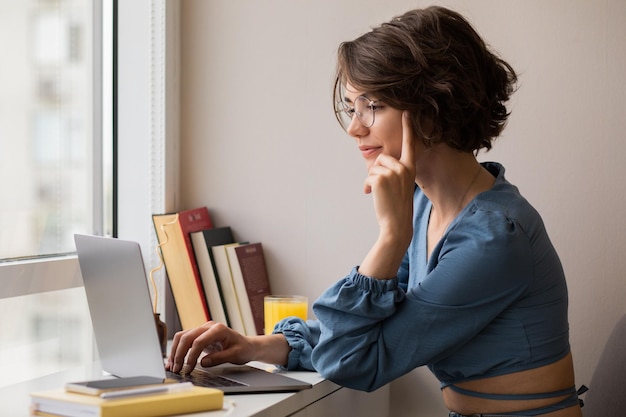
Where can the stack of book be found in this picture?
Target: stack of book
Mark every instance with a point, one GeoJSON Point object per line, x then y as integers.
{"type": "Point", "coordinates": [212, 276]}
{"type": "Point", "coordinates": [167, 400]}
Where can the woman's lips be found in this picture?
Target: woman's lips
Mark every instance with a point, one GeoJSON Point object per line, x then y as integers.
{"type": "Point", "coordinates": [369, 151]}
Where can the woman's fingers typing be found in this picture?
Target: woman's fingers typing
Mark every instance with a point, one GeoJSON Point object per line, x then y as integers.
{"type": "Point", "coordinates": [187, 346]}
{"type": "Point", "coordinates": [216, 341]}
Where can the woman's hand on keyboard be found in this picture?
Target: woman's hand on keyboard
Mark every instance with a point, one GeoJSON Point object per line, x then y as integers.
{"type": "Point", "coordinates": [218, 342]}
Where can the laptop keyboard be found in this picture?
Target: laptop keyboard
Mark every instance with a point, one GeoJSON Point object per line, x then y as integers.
{"type": "Point", "coordinates": [204, 379]}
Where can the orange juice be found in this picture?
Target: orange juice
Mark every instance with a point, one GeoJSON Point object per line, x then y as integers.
{"type": "Point", "coordinates": [278, 307]}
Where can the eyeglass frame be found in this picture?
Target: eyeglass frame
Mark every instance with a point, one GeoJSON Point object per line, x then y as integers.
{"type": "Point", "coordinates": [343, 106]}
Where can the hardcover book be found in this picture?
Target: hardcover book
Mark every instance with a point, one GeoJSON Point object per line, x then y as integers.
{"type": "Point", "coordinates": [251, 281]}
{"type": "Point", "coordinates": [225, 277]}
{"type": "Point", "coordinates": [203, 241]}
{"type": "Point", "coordinates": [173, 233]}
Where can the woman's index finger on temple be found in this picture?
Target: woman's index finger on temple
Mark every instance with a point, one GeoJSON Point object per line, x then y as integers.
{"type": "Point", "coordinates": [407, 158]}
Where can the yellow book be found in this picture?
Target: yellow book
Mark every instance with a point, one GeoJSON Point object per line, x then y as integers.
{"type": "Point", "coordinates": [68, 404]}
{"type": "Point", "coordinates": [173, 232]}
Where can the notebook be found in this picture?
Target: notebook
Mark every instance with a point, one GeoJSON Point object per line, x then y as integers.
{"type": "Point", "coordinates": [121, 312]}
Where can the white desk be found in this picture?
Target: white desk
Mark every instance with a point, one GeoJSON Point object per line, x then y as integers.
{"type": "Point", "coordinates": [325, 399]}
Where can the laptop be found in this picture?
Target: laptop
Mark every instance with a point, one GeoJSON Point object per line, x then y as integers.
{"type": "Point", "coordinates": [121, 312]}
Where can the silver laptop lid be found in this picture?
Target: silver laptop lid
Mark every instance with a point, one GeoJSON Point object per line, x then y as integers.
{"type": "Point", "coordinates": [120, 307]}
{"type": "Point", "coordinates": [121, 313]}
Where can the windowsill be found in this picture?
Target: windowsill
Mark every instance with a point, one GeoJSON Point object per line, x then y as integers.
{"type": "Point", "coordinates": [24, 277]}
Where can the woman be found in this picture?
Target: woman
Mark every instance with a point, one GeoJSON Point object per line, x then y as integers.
{"type": "Point", "coordinates": [463, 277]}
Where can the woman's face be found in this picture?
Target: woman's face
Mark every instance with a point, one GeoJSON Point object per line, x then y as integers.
{"type": "Point", "coordinates": [384, 136]}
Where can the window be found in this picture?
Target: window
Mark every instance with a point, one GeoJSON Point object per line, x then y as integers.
{"type": "Point", "coordinates": [56, 175]}
{"type": "Point", "coordinates": [41, 288]}
{"type": "Point", "coordinates": [50, 127]}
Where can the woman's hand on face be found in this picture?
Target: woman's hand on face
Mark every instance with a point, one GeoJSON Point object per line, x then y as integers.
{"type": "Point", "coordinates": [220, 344]}
{"type": "Point", "coordinates": [392, 183]}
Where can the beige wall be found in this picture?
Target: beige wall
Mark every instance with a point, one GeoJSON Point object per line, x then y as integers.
{"type": "Point", "coordinates": [261, 149]}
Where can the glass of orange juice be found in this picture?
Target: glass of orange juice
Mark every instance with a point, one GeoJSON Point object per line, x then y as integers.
{"type": "Point", "coordinates": [278, 307]}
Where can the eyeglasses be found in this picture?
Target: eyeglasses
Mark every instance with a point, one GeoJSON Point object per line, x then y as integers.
{"type": "Point", "coordinates": [364, 109]}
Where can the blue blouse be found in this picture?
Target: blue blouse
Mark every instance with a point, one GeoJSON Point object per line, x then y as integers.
{"type": "Point", "coordinates": [491, 300]}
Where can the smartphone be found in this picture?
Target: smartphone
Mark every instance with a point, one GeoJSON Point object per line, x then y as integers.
{"type": "Point", "coordinates": [99, 386]}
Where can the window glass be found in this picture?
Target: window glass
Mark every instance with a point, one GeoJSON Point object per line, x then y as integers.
{"type": "Point", "coordinates": [50, 153]}
{"type": "Point", "coordinates": [48, 333]}
{"type": "Point", "coordinates": [55, 174]}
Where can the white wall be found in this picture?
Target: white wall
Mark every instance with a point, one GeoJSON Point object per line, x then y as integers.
{"type": "Point", "coordinates": [260, 146]}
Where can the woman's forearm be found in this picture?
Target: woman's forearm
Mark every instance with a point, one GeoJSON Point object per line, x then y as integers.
{"type": "Point", "coordinates": [383, 259]}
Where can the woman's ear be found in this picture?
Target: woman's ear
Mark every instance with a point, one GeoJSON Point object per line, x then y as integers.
{"type": "Point", "coordinates": [424, 128]}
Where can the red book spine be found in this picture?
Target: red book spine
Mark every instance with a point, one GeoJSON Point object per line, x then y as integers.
{"type": "Point", "coordinates": [194, 220]}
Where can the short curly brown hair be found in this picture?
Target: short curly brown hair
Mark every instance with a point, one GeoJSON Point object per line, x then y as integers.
{"type": "Point", "coordinates": [432, 63]}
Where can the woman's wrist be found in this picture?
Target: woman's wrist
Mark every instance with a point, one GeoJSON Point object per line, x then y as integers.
{"type": "Point", "coordinates": [272, 349]}
{"type": "Point", "coordinates": [383, 259]}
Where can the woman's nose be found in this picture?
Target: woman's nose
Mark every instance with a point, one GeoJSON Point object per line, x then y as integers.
{"type": "Point", "coordinates": [356, 128]}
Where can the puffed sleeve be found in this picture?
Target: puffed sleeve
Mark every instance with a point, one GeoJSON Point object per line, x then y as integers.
{"type": "Point", "coordinates": [372, 332]}
{"type": "Point", "coordinates": [303, 335]}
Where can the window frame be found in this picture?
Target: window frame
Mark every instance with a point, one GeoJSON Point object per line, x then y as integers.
{"type": "Point", "coordinates": [148, 147]}
{"type": "Point", "coordinates": [37, 274]}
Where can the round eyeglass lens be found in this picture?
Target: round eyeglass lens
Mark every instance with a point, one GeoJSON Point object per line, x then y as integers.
{"type": "Point", "coordinates": [344, 115]}
{"type": "Point", "coordinates": [363, 108]}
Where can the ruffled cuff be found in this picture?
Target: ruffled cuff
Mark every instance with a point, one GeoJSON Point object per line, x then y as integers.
{"type": "Point", "coordinates": [301, 336]}
{"type": "Point", "coordinates": [370, 284]}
